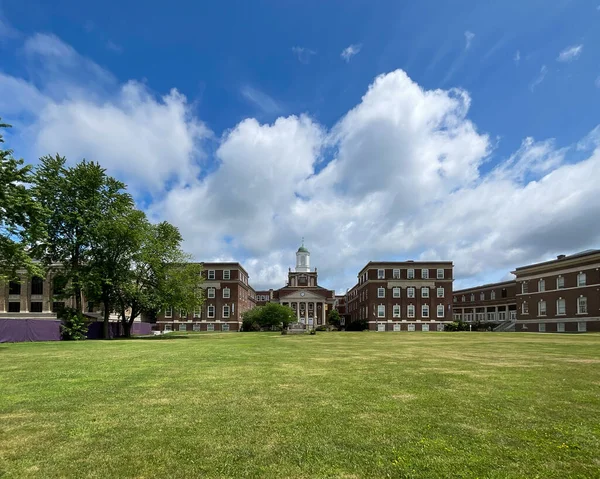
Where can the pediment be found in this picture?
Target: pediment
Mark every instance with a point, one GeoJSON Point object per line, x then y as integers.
{"type": "Point", "coordinates": [297, 296]}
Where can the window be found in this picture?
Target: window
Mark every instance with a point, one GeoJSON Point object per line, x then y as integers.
{"type": "Point", "coordinates": [410, 274]}
{"type": "Point", "coordinates": [226, 293]}
{"type": "Point", "coordinates": [440, 292]}
{"type": "Point", "coordinates": [226, 311]}
{"type": "Point", "coordinates": [463, 298]}
{"type": "Point", "coordinates": [211, 274]}
{"type": "Point", "coordinates": [493, 295]}
{"type": "Point", "coordinates": [381, 274]}
{"type": "Point", "coordinates": [482, 296]}
{"type": "Point", "coordinates": [541, 285]}
{"type": "Point", "coordinates": [396, 292]}
{"type": "Point", "coordinates": [582, 305]}
{"type": "Point", "coordinates": [226, 274]}
{"type": "Point", "coordinates": [524, 287]}
{"type": "Point", "coordinates": [210, 327]}
{"type": "Point", "coordinates": [37, 285]}
{"type": "Point", "coordinates": [542, 308]}
{"type": "Point", "coordinates": [560, 306]}
{"type": "Point", "coordinates": [560, 327]}
{"type": "Point", "coordinates": [542, 328]}
{"type": "Point", "coordinates": [440, 273]}
{"type": "Point", "coordinates": [424, 292]}
{"type": "Point", "coordinates": [182, 327]}
{"type": "Point", "coordinates": [197, 312]}
{"type": "Point", "coordinates": [581, 327]}
{"type": "Point", "coordinates": [411, 311]}
{"type": "Point", "coordinates": [504, 293]}
{"type": "Point", "coordinates": [454, 299]}
{"type": "Point", "coordinates": [560, 282]}
{"type": "Point", "coordinates": [58, 306]}
{"type": "Point", "coordinates": [168, 312]}
{"type": "Point", "coordinates": [425, 328]}
{"type": "Point", "coordinates": [381, 292]}
{"type": "Point", "coordinates": [440, 310]}
{"type": "Point", "coordinates": [396, 274]}
{"type": "Point", "coordinates": [525, 308]}
{"type": "Point", "coordinates": [440, 327]}
{"type": "Point", "coordinates": [411, 327]}
{"type": "Point", "coordinates": [396, 311]}
{"type": "Point", "coordinates": [425, 311]}
{"type": "Point", "coordinates": [183, 314]}
{"type": "Point", "coordinates": [381, 311]}
{"type": "Point", "coordinates": [14, 307]}
{"type": "Point", "coordinates": [381, 327]}
{"type": "Point", "coordinates": [472, 296]}
{"type": "Point", "coordinates": [14, 288]}
{"type": "Point", "coordinates": [211, 292]}
{"type": "Point", "coordinates": [410, 292]}
{"type": "Point", "coordinates": [36, 307]}
{"type": "Point", "coordinates": [168, 328]}
{"type": "Point", "coordinates": [425, 273]}
{"type": "Point", "coordinates": [196, 327]}
{"type": "Point", "coordinates": [396, 327]}
{"type": "Point", "coordinates": [224, 327]}
{"type": "Point", "coordinates": [211, 311]}
{"type": "Point", "coordinates": [581, 279]}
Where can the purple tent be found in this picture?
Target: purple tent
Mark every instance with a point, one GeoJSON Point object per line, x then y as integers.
{"type": "Point", "coordinates": [19, 330]}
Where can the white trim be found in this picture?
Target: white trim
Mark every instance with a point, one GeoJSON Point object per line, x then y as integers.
{"type": "Point", "coordinates": [381, 292]}
{"type": "Point", "coordinates": [228, 293]}
{"type": "Point", "coordinates": [208, 311]}
{"type": "Point", "coordinates": [381, 311]}
{"type": "Point", "coordinates": [409, 308]}
{"type": "Point", "coordinates": [394, 290]}
{"type": "Point", "coordinates": [211, 274]}
{"type": "Point", "coordinates": [395, 308]}
{"type": "Point", "coordinates": [228, 271]}
{"type": "Point", "coordinates": [226, 312]}
{"type": "Point", "coordinates": [210, 293]}
{"type": "Point", "coordinates": [380, 273]}
{"type": "Point", "coordinates": [424, 273]}
{"type": "Point", "coordinates": [410, 273]}
{"type": "Point", "coordinates": [438, 292]}
{"type": "Point", "coordinates": [423, 289]}
{"type": "Point", "coordinates": [564, 304]}
{"type": "Point", "coordinates": [170, 314]}
{"type": "Point", "coordinates": [423, 308]}
{"type": "Point", "coordinates": [440, 307]}
{"type": "Point", "coordinates": [560, 271]}
{"type": "Point", "coordinates": [438, 276]}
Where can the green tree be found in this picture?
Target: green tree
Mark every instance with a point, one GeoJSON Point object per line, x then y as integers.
{"type": "Point", "coordinates": [334, 319]}
{"type": "Point", "coordinates": [272, 315]}
{"type": "Point", "coordinates": [19, 215]}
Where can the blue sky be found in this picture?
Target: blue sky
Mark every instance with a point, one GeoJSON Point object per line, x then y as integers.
{"type": "Point", "coordinates": [245, 72]}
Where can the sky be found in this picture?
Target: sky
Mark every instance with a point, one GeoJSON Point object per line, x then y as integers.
{"type": "Point", "coordinates": [377, 130]}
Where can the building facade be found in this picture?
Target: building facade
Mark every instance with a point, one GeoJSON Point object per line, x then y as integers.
{"type": "Point", "coordinates": [227, 294]}
{"type": "Point", "coordinates": [402, 296]}
{"type": "Point", "coordinates": [489, 303]}
{"type": "Point", "coordinates": [562, 295]}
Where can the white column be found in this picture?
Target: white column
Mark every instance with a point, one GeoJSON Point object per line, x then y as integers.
{"type": "Point", "coordinates": [298, 311]}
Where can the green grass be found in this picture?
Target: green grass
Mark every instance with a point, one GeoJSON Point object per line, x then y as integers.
{"type": "Point", "coordinates": [487, 405]}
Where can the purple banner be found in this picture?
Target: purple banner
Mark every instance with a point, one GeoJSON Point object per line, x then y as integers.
{"type": "Point", "coordinates": [20, 330]}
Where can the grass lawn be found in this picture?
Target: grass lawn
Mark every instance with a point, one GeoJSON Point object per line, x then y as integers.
{"type": "Point", "coordinates": [487, 405]}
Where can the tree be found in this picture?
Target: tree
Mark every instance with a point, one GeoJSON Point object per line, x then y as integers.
{"type": "Point", "coordinates": [334, 318]}
{"type": "Point", "coordinates": [19, 216]}
{"type": "Point", "coordinates": [272, 315]}
{"type": "Point", "coordinates": [161, 275]}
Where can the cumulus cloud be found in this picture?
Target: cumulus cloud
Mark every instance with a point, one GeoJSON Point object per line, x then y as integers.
{"type": "Point", "coordinates": [350, 51]}
{"type": "Point", "coordinates": [570, 54]}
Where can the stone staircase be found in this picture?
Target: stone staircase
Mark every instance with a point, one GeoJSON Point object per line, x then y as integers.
{"type": "Point", "coordinates": [506, 326]}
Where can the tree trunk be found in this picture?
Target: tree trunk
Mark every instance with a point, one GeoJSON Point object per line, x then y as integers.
{"type": "Point", "coordinates": [106, 303]}
{"type": "Point", "coordinates": [127, 329]}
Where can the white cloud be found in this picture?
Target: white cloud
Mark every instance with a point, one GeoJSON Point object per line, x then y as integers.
{"type": "Point", "coordinates": [260, 99]}
{"type": "Point", "coordinates": [517, 57]}
{"type": "Point", "coordinates": [468, 39]}
{"type": "Point", "coordinates": [303, 54]}
{"type": "Point", "coordinates": [540, 78]}
{"type": "Point", "coordinates": [570, 54]}
{"type": "Point", "coordinates": [350, 51]}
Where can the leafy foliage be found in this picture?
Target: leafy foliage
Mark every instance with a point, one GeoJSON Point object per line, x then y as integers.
{"type": "Point", "coordinates": [334, 319]}
{"type": "Point", "coordinates": [457, 326]}
{"type": "Point", "coordinates": [358, 325]}
{"type": "Point", "coordinates": [74, 325]}
{"type": "Point", "coordinates": [270, 316]}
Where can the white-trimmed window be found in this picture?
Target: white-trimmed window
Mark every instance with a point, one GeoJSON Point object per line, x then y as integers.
{"type": "Point", "coordinates": [410, 274]}
{"type": "Point", "coordinates": [424, 292]}
{"type": "Point", "coordinates": [210, 327]}
{"type": "Point", "coordinates": [224, 327]}
{"type": "Point", "coordinates": [196, 327]}
{"type": "Point", "coordinates": [169, 312]}
{"type": "Point", "coordinates": [493, 295]}
{"type": "Point", "coordinates": [197, 312]}
{"type": "Point", "coordinates": [440, 292]}
{"type": "Point", "coordinates": [396, 274]}
{"type": "Point", "coordinates": [396, 311]}
{"type": "Point", "coordinates": [525, 308]}
{"type": "Point", "coordinates": [211, 274]}
{"type": "Point", "coordinates": [524, 287]}
{"type": "Point", "coordinates": [182, 327]}
{"type": "Point", "coordinates": [396, 292]}
{"type": "Point", "coordinates": [440, 327]}
{"type": "Point", "coordinates": [542, 328]}
{"type": "Point", "coordinates": [561, 306]}
{"type": "Point", "coordinates": [425, 328]}
{"type": "Point", "coordinates": [226, 311]}
{"type": "Point", "coordinates": [482, 296]}
{"type": "Point", "coordinates": [425, 273]}
{"type": "Point", "coordinates": [381, 292]}
{"type": "Point", "coordinates": [542, 308]}
{"type": "Point", "coordinates": [541, 285]}
{"type": "Point", "coordinates": [440, 310]}
{"type": "Point", "coordinates": [410, 292]}
{"type": "Point", "coordinates": [440, 273]}
{"type": "Point", "coordinates": [210, 311]}
{"type": "Point", "coordinates": [560, 327]}
{"type": "Point", "coordinates": [560, 282]}
{"type": "Point", "coordinates": [211, 292]}
{"type": "Point", "coordinates": [168, 328]}
{"type": "Point", "coordinates": [226, 293]}
{"type": "Point", "coordinates": [381, 274]}
{"type": "Point", "coordinates": [226, 274]}
{"type": "Point", "coordinates": [397, 327]}
{"type": "Point", "coordinates": [454, 299]}
{"type": "Point", "coordinates": [581, 327]}
{"type": "Point", "coordinates": [411, 327]}
{"type": "Point", "coordinates": [582, 305]}
{"type": "Point", "coordinates": [410, 311]}
{"type": "Point", "coordinates": [183, 314]}
{"type": "Point", "coordinates": [425, 311]}
{"type": "Point", "coordinates": [381, 311]}
{"type": "Point", "coordinates": [472, 296]}
{"type": "Point", "coordinates": [581, 279]}
{"type": "Point", "coordinates": [463, 298]}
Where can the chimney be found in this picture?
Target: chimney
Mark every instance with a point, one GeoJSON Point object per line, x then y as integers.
{"type": "Point", "coordinates": [560, 256]}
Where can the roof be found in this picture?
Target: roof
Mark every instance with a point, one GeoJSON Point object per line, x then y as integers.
{"type": "Point", "coordinates": [404, 264]}
{"type": "Point", "coordinates": [486, 286]}
{"type": "Point", "coordinates": [561, 258]}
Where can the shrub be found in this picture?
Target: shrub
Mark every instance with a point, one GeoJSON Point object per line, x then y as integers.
{"type": "Point", "coordinates": [321, 328]}
{"type": "Point", "coordinates": [312, 331]}
{"type": "Point", "coordinates": [457, 326]}
{"type": "Point", "coordinates": [358, 325]}
{"type": "Point", "coordinates": [250, 325]}
{"type": "Point", "coordinates": [74, 325]}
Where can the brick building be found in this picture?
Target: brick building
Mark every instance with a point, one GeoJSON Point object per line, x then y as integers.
{"type": "Point", "coordinates": [491, 303]}
{"type": "Point", "coordinates": [562, 295]}
{"type": "Point", "coordinates": [227, 295]}
{"type": "Point", "coordinates": [402, 296]}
